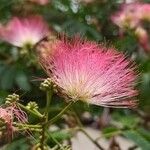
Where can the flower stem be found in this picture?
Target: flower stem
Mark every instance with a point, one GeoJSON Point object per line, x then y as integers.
{"type": "Point", "coordinates": [27, 125]}
{"type": "Point", "coordinates": [43, 139]}
{"type": "Point", "coordinates": [27, 128]}
{"type": "Point", "coordinates": [35, 113]}
{"type": "Point", "coordinates": [59, 114]}
{"type": "Point", "coordinates": [48, 101]}
{"type": "Point", "coordinates": [46, 122]}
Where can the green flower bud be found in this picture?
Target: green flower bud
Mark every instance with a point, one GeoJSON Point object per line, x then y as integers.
{"type": "Point", "coordinates": [46, 84]}
{"type": "Point", "coordinates": [12, 98]}
{"type": "Point", "coordinates": [32, 106]}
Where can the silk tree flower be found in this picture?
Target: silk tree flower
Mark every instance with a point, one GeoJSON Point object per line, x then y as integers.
{"type": "Point", "coordinates": [86, 71]}
{"type": "Point", "coordinates": [10, 114]}
{"type": "Point", "coordinates": [145, 12]}
{"type": "Point", "coordinates": [21, 32]}
{"type": "Point", "coordinates": [6, 117]}
{"type": "Point", "coordinates": [131, 15]}
{"type": "Point", "coordinates": [143, 38]}
{"type": "Point", "coordinates": [128, 16]}
{"type": "Point", "coordinates": [40, 2]}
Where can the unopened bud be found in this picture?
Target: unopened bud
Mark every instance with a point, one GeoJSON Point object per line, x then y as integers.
{"type": "Point", "coordinates": [32, 106]}
{"type": "Point", "coordinates": [46, 84]}
{"type": "Point", "coordinates": [12, 98]}
{"type": "Point", "coordinates": [23, 51]}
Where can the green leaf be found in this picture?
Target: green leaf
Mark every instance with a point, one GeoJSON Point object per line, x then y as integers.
{"type": "Point", "coordinates": [22, 81]}
{"type": "Point", "coordinates": [129, 121]}
{"type": "Point", "coordinates": [138, 139]}
{"type": "Point", "coordinates": [7, 78]}
{"type": "Point", "coordinates": [60, 135]}
{"type": "Point", "coordinates": [110, 131]}
{"type": "Point", "coordinates": [144, 133]}
{"type": "Point", "coordinates": [20, 144]}
{"type": "Point", "coordinates": [3, 95]}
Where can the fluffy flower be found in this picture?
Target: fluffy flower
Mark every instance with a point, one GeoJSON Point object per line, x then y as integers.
{"type": "Point", "coordinates": [145, 12]}
{"type": "Point", "coordinates": [5, 116]}
{"type": "Point", "coordinates": [89, 72]}
{"type": "Point", "coordinates": [24, 31]}
{"type": "Point", "coordinates": [40, 2]}
{"type": "Point", "coordinates": [131, 15]}
{"type": "Point", "coordinates": [128, 16]}
{"type": "Point", "coordinates": [143, 38]}
{"type": "Point", "coordinates": [10, 114]}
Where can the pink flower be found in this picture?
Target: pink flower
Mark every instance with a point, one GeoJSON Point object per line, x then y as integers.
{"type": "Point", "coordinates": [5, 116]}
{"type": "Point", "coordinates": [9, 115]}
{"type": "Point", "coordinates": [24, 31]}
{"type": "Point", "coordinates": [131, 15]}
{"type": "Point", "coordinates": [89, 72]}
{"type": "Point", "coordinates": [40, 2]}
{"type": "Point", "coordinates": [143, 38]}
{"type": "Point", "coordinates": [128, 16]}
{"type": "Point", "coordinates": [145, 12]}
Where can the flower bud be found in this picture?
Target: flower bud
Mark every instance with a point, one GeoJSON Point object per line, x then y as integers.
{"type": "Point", "coordinates": [12, 98]}
{"type": "Point", "coordinates": [46, 84]}
{"type": "Point", "coordinates": [32, 106]}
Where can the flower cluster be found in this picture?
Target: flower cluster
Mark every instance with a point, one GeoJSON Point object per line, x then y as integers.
{"type": "Point", "coordinates": [86, 71]}
{"type": "Point", "coordinates": [132, 16]}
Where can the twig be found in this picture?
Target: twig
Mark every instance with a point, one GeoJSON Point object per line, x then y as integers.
{"type": "Point", "coordinates": [92, 140]}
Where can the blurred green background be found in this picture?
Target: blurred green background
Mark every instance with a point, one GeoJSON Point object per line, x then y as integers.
{"type": "Point", "coordinates": [91, 19]}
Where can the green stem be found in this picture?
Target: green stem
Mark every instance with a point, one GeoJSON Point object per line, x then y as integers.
{"type": "Point", "coordinates": [48, 101]}
{"type": "Point", "coordinates": [27, 125]}
{"type": "Point", "coordinates": [30, 129]}
{"type": "Point", "coordinates": [36, 113]}
{"type": "Point", "coordinates": [59, 114]}
{"type": "Point", "coordinates": [55, 140]}
{"type": "Point", "coordinates": [43, 139]}
{"type": "Point", "coordinates": [77, 119]}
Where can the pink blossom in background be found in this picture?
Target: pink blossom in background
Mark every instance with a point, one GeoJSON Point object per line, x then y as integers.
{"type": "Point", "coordinates": [40, 2]}
{"type": "Point", "coordinates": [24, 31]}
{"type": "Point", "coordinates": [131, 15]}
{"type": "Point", "coordinates": [86, 71]}
{"type": "Point", "coordinates": [143, 38]}
{"type": "Point", "coordinates": [145, 12]}
{"type": "Point", "coordinates": [128, 16]}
